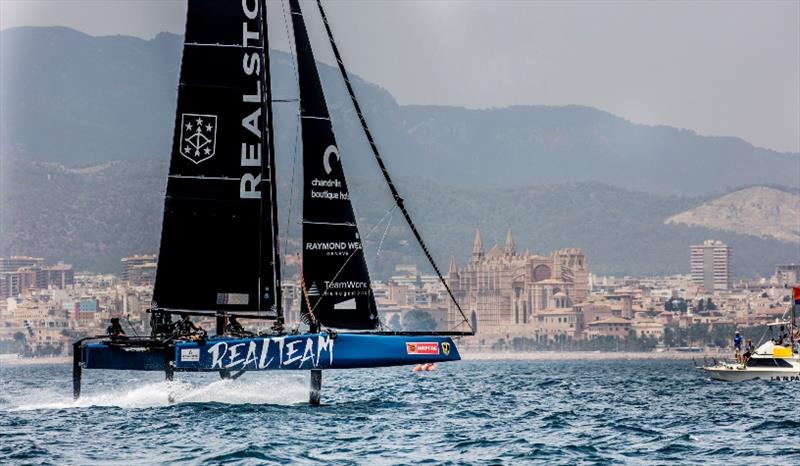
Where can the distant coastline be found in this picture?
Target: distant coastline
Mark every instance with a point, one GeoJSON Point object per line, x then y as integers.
{"type": "Point", "coordinates": [10, 360]}
{"type": "Point", "coordinates": [14, 360]}
{"type": "Point", "coordinates": [585, 355]}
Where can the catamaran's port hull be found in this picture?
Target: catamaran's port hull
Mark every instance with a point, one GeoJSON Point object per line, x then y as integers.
{"type": "Point", "coordinates": [290, 352]}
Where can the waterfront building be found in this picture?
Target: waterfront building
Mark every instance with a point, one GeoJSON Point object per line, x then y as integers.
{"type": "Point", "coordinates": [557, 324]}
{"type": "Point", "coordinates": [502, 291]}
{"type": "Point", "coordinates": [612, 326]}
{"type": "Point", "coordinates": [710, 265]}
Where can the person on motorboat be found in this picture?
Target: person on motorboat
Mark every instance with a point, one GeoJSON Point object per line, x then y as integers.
{"type": "Point", "coordinates": [749, 349]}
{"type": "Point", "coordinates": [784, 336]}
{"type": "Point", "coordinates": [737, 346]}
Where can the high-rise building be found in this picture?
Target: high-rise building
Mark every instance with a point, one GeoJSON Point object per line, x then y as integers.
{"type": "Point", "coordinates": [20, 274]}
{"type": "Point", "coordinates": [142, 274]}
{"type": "Point", "coordinates": [14, 263]}
{"type": "Point", "coordinates": [136, 267]}
{"type": "Point", "coordinates": [60, 275]}
{"type": "Point", "coordinates": [710, 264]}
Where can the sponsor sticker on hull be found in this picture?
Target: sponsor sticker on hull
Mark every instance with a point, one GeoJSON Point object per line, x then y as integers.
{"type": "Point", "coordinates": [427, 348]}
{"type": "Point", "coordinates": [190, 354]}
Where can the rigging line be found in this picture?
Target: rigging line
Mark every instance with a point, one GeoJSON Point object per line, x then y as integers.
{"type": "Point", "coordinates": [398, 199]}
{"type": "Point", "coordinates": [388, 224]}
{"type": "Point", "coordinates": [291, 186]}
{"type": "Point", "coordinates": [291, 47]}
{"type": "Point", "coordinates": [352, 254]}
{"type": "Point", "coordinates": [305, 290]}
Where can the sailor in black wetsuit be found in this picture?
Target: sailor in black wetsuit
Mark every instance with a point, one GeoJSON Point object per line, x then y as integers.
{"type": "Point", "coordinates": [234, 328]}
{"type": "Point", "coordinates": [187, 329]}
{"type": "Point", "coordinates": [162, 323]}
{"type": "Point", "coordinates": [115, 329]}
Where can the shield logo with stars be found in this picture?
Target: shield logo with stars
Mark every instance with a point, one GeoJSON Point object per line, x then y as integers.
{"type": "Point", "coordinates": [198, 136]}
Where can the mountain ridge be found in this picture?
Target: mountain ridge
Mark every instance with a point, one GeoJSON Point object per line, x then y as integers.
{"type": "Point", "coordinates": [121, 103]}
{"type": "Point", "coordinates": [93, 216]}
{"type": "Point", "coordinates": [758, 211]}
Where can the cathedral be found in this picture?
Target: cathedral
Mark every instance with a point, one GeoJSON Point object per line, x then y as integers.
{"type": "Point", "coordinates": [503, 291]}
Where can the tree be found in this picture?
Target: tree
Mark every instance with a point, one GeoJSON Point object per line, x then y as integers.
{"type": "Point", "coordinates": [710, 305]}
{"type": "Point", "coordinates": [418, 320]}
{"type": "Point", "coordinates": [668, 305]}
{"type": "Point", "coordinates": [700, 305]}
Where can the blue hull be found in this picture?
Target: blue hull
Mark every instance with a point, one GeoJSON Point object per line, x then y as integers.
{"type": "Point", "coordinates": [290, 352]}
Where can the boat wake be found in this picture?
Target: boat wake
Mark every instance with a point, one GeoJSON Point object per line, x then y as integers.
{"type": "Point", "coordinates": [287, 390]}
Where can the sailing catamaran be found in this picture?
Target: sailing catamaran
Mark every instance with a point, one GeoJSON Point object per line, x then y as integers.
{"type": "Point", "coordinates": [219, 254]}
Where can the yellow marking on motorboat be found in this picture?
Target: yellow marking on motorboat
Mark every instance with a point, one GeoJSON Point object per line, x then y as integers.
{"type": "Point", "coordinates": [782, 352]}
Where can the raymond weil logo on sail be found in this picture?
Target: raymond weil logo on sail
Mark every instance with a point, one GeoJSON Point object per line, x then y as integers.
{"type": "Point", "coordinates": [198, 136]}
{"type": "Point", "coordinates": [427, 348]}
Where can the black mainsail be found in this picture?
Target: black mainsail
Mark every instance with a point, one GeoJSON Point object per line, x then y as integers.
{"type": "Point", "coordinates": [335, 277]}
{"type": "Point", "coordinates": [218, 242]}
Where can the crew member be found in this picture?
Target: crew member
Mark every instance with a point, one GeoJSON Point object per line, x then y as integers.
{"type": "Point", "coordinates": [162, 323]}
{"type": "Point", "coordinates": [115, 329]}
{"type": "Point", "coordinates": [784, 336]}
{"type": "Point", "coordinates": [236, 329]}
{"type": "Point", "coordinates": [185, 328]}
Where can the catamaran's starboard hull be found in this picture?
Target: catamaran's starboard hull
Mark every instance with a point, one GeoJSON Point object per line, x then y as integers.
{"type": "Point", "coordinates": [290, 352]}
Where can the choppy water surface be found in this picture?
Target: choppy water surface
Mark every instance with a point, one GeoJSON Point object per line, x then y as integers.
{"type": "Point", "coordinates": [488, 412]}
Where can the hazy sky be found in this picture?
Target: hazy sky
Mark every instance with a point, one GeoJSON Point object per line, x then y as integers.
{"type": "Point", "coordinates": [720, 68]}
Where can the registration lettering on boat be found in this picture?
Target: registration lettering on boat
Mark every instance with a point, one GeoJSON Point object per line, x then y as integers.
{"type": "Point", "coordinates": [422, 348]}
{"type": "Point", "coordinates": [785, 378]}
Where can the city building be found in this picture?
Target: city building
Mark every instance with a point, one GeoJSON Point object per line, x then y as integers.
{"type": "Point", "coordinates": [613, 326]}
{"type": "Point", "coordinates": [14, 263]}
{"type": "Point", "coordinates": [139, 269]}
{"type": "Point", "coordinates": [502, 291]}
{"type": "Point", "coordinates": [787, 274]}
{"type": "Point", "coordinates": [710, 265]}
{"type": "Point", "coordinates": [20, 274]}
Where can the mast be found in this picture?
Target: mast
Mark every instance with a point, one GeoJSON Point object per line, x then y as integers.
{"type": "Point", "coordinates": [268, 166]}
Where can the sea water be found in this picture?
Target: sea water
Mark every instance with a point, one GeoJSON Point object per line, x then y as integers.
{"type": "Point", "coordinates": [472, 412]}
